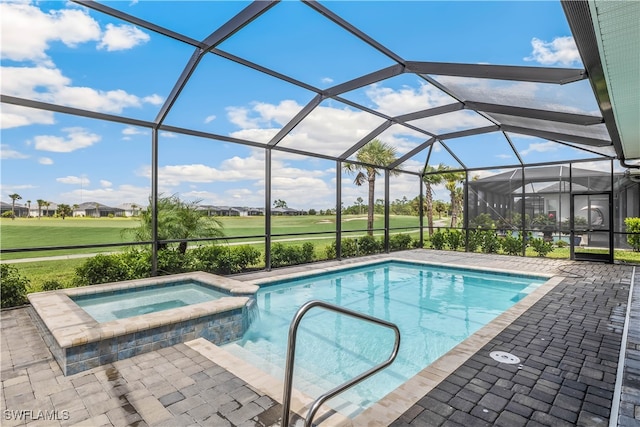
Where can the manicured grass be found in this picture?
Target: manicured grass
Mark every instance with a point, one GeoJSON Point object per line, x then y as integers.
{"type": "Point", "coordinates": [39, 272]}
{"type": "Point", "coordinates": [45, 232]}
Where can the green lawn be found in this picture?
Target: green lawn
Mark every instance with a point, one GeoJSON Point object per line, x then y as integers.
{"type": "Point", "coordinates": [45, 232]}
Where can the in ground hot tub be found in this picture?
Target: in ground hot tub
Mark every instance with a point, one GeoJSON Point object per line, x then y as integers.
{"type": "Point", "coordinates": [124, 319]}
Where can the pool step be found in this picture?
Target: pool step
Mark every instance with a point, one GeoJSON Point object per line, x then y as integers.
{"type": "Point", "coordinates": [306, 381]}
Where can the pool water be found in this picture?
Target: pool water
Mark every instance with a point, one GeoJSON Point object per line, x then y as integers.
{"type": "Point", "coordinates": [434, 308]}
{"type": "Point", "coordinates": [122, 304]}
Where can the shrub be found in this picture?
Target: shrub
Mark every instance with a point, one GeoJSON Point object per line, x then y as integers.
{"type": "Point", "coordinates": [308, 252]}
{"type": "Point", "coordinates": [399, 242]}
{"type": "Point", "coordinates": [100, 269]}
{"type": "Point", "coordinates": [136, 263]}
{"type": "Point", "coordinates": [490, 242]}
{"type": "Point", "coordinates": [52, 285]}
{"type": "Point", "coordinates": [224, 260]}
{"type": "Point", "coordinates": [541, 247]}
{"type": "Point", "coordinates": [454, 239]}
{"type": "Point", "coordinates": [172, 261]}
{"type": "Point", "coordinates": [8, 214]}
{"type": "Point", "coordinates": [438, 240]}
{"type": "Point", "coordinates": [475, 239]}
{"type": "Point", "coordinates": [561, 244]}
{"type": "Point", "coordinates": [512, 245]}
{"type": "Point", "coordinates": [369, 245]}
{"type": "Point", "coordinates": [283, 255]}
{"type": "Point", "coordinates": [349, 248]}
{"type": "Point", "coordinates": [246, 255]}
{"type": "Point", "coordinates": [13, 287]}
{"type": "Point", "coordinates": [633, 226]}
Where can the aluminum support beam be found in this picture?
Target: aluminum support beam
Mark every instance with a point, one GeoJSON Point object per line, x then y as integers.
{"type": "Point", "coordinates": [365, 80]}
{"type": "Point", "coordinates": [387, 196]}
{"type": "Point", "coordinates": [412, 153]}
{"type": "Point", "coordinates": [557, 136]}
{"type": "Point", "coordinates": [364, 141]}
{"type": "Point", "coordinates": [338, 210]}
{"type": "Point", "coordinates": [154, 202]}
{"type": "Point", "coordinates": [296, 120]}
{"type": "Point", "coordinates": [468, 132]}
{"type": "Point", "coordinates": [436, 111]}
{"type": "Point", "coordinates": [554, 116]}
{"type": "Point", "coordinates": [353, 30]}
{"type": "Point", "coordinates": [499, 72]}
{"type": "Point", "coordinates": [267, 210]}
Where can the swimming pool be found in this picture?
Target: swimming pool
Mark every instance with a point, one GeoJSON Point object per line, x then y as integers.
{"type": "Point", "coordinates": [131, 302]}
{"type": "Point", "coordinates": [435, 308]}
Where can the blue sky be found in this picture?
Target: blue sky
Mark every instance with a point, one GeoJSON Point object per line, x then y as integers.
{"type": "Point", "coordinates": [63, 53]}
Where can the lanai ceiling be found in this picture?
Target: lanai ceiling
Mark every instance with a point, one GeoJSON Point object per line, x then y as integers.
{"type": "Point", "coordinates": [471, 106]}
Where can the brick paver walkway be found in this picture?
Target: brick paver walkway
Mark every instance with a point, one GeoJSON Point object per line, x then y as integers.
{"type": "Point", "coordinates": [568, 343]}
{"type": "Point", "coordinates": [175, 386]}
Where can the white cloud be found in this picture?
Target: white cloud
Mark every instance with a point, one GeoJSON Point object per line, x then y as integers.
{"type": "Point", "coordinates": [540, 147]}
{"type": "Point", "coordinates": [395, 102]}
{"type": "Point", "coordinates": [6, 152]}
{"type": "Point", "coordinates": [45, 161]}
{"type": "Point", "coordinates": [76, 139]}
{"type": "Point", "coordinates": [130, 130]}
{"type": "Point", "coordinates": [504, 156]}
{"type": "Point", "coordinates": [73, 180]}
{"type": "Point", "coordinates": [210, 118]}
{"type": "Point", "coordinates": [49, 85]}
{"type": "Point", "coordinates": [154, 99]}
{"type": "Point", "coordinates": [168, 135]}
{"type": "Point", "coordinates": [561, 50]}
{"type": "Point", "coordinates": [105, 184]}
{"type": "Point", "coordinates": [122, 37]}
{"type": "Point", "coordinates": [12, 116]}
{"type": "Point", "coordinates": [27, 31]}
{"type": "Point", "coordinates": [326, 80]}
{"type": "Point", "coordinates": [109, 196]}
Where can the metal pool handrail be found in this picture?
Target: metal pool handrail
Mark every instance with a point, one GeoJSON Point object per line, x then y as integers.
{"type": "Point", "coordinates": [291, 351]}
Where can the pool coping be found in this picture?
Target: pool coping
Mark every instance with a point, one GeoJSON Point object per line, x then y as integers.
{"type": "Point", "coordinates": [71, 326]}
{"type": "Point", "coordinates": [398, 401]}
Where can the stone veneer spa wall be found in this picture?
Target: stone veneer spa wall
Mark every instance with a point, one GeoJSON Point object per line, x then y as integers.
{"type": "Point", "coordinates": [79, 342]}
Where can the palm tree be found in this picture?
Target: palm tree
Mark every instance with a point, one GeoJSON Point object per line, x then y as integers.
{"type": "Point", "coordinates": [455, 192]}
{"type": "Point", "coordinates": [176, 220]}
{"type": "Point", "coordinates": [40, 205]}
{"type": "Point", "coordinates": [14, 197]}
{"type": "Point", "coordinates": [64, 210]}
{"type": "Point", "coordinates": [375, 154]}
{"type": "Point", "coordinates": [28, 208]}
{"type": "Point", "coordinates": [430, 180]}
{"type": "Point", "coordinates": [47, 204]}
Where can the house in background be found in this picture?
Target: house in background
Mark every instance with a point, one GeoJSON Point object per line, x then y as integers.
{"type": "Point", "coordinates": [211, 210]}
{"type": "Point", "coordinates": [96, 210]}
{"type": "Point", "coordinates": [130, 209]}
{"type": "Point", "coordinates": [20, 210]}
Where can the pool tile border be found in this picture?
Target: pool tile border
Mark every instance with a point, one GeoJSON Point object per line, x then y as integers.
{"type": "Point", "coordinates": [78, 342]}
